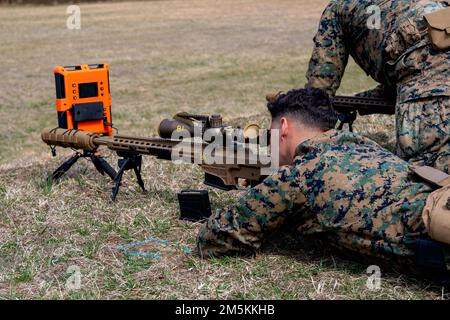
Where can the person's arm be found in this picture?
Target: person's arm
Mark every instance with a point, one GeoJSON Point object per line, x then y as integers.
{"type": "Point", "coordinates": [240, 229]}
{"type": "Point", "coordinates": [380, 91]}
{"type": "Point", "coordinates": [330, 54]}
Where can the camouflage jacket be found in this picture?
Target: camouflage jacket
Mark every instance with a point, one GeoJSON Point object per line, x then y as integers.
{"type": "Point", "coordinates": [341, 186]}
{"type": "Point", "coordinates": [396, 53]}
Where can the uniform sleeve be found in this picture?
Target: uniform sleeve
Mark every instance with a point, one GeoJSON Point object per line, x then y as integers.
{"type": "Point", "coordinates": [379, 91]}
{"type": "Point", "coordinates": [330, 54]}
{"type": "Point", "coordinates": [240, 229]}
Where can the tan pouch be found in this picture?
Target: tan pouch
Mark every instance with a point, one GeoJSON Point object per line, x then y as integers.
{"type": "Point", "coordinates": [436, 215]}
{"type": "Point", "coordinates": [439, 28]}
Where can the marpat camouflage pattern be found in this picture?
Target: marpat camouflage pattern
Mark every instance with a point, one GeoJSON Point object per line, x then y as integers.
{"type": "Point", "coordinates": [398, 55]}
{"type": "Point", "coordinates": [342, 187]}
{"type": "Point", "coordinates": [423, 132]}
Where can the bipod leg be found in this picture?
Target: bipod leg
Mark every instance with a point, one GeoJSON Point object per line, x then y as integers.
{"type": "Point", "coordinates": [118, 178]}
{"type": "Point", "coordinates": [65, 166]}
{"type": "Point", "coordinates": [103, 166]}
{"type": "Point", "coordinates": [137, 171]}
{"type": "Point", "coordinates": [346, 118]}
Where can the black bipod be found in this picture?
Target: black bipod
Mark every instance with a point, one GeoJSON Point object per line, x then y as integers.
{"type": "Point", "coordinates": [346, 118]}
{"type": "Point", "coordinates": [100, 164]}
{"type": "Point", "coordinates": [129, 161]}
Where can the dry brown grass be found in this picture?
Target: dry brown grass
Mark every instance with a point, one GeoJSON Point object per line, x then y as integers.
{"type": "Point", "coordinates": [202, 56]}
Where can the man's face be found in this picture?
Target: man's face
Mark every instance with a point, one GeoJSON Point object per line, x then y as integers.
{"type": "Point", "coordinates": [279, 137]}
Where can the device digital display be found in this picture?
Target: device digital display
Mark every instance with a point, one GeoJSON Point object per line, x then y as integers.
{"type": "Point", "coordinates": [88, 90]}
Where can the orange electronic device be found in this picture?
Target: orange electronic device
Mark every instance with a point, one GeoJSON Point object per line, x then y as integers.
{"type": "Point", "coordinates": [83, 99]}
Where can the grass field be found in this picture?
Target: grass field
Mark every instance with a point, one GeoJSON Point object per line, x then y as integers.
{"type": "Point", "coordinates": [165, 56]}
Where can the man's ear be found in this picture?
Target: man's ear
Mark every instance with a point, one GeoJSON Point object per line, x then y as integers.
{"type": "Point", "coordinates": [284, 127]}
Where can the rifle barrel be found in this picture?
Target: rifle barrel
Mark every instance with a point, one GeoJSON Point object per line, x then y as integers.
{"type": "Point", "coordinates": [191, 151]}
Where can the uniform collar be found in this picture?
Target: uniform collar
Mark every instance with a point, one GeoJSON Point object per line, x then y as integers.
{"type": "Point", "coordinates": [325, 137]}
{"type": "Point", "coordinates": [335, 137]}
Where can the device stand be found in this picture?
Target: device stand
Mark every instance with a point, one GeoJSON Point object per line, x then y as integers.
{"type": "Point", "coordinates": [129, 161]}
{"type": "Point", "coordinates": [100, 164]}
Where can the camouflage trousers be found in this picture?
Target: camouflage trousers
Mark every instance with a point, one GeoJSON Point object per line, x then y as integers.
{"type": "Point", "coordinates": [423, 132]}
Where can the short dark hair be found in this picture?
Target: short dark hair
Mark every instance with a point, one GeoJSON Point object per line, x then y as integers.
{"type": "Point", "coordinates": [310, 106]}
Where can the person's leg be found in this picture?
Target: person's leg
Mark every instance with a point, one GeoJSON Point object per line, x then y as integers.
{"type": "Point", "coordinates": [423, 132]}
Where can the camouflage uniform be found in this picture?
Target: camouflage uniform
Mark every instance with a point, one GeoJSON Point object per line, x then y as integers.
{"type": "Point", "coordinates": [342, 187]}
{"type": "Point", "coordinates": [397, 55]}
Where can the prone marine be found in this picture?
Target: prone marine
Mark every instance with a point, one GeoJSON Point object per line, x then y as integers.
{"type": "Point", "coordinates": [339, 187]}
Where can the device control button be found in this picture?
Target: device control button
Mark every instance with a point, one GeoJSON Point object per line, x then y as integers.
{"type": "Point", "coordinates": [74, 98]}
{"type": "Point", "coordinates": [101, 88]}
{"type": "Point", "coordinates": [74, 85]}
{"type": "Point", "coordinates": [74, 91]}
